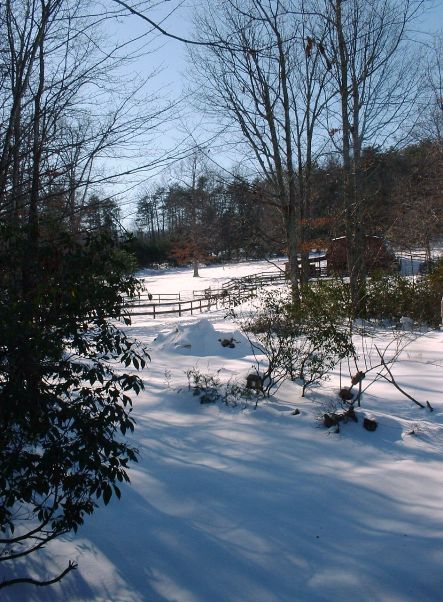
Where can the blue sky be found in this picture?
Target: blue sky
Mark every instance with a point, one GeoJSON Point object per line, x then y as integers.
{"type": "Point", "coordinates": [169, 56]}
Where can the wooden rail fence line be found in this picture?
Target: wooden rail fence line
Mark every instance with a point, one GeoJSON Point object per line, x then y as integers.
{"type": "Point", "coordinates": [232, 292]}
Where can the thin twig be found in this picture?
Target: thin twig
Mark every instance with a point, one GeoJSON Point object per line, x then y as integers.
{"type": "Point", "coordinates": [393, 381]}
{"type": "Point", "coordinates": [71, 567]}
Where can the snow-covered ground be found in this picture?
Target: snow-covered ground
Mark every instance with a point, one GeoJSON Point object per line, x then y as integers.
{"type": "Point", "coordinates": [410, 262]}
{"type": "Point", "coordinates": [236, 504]}
{"type": "Point", "coordinates": [181, 280]}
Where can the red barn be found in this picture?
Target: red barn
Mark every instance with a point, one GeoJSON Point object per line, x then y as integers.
{"type": "Point", "coordinates": [378, 255]}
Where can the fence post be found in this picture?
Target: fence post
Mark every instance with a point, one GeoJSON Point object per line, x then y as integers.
{"type": "Point", "coordinates": [200, 305]}
{"type": "Point", "coordinates": [179, 309]}
{"type": "Point", "coordinates": [153, 307]}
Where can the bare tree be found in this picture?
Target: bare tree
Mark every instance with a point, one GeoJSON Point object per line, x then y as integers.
{"type": "Point", "coordinates": [248, 79]}
{"type": "Point", "coordinates": [376, 83]}
{"type": "Point", "coordinates": [279, 65]}
{"type": "Point", "coordinates": [62, 116]}
{"type": "Point", "coordinates": [65, 107]}
{"type": "Point", "coordinates": [431, 123]}
{"type": "Point", "coordinates": [271, 68]}
{"type": "Point", "coordinates": [195, 195]}
{"type": "Point", "coordinates": [310, 96]}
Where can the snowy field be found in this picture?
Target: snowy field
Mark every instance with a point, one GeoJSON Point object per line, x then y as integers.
{"type": "Point", "coordinates": [236, 504]}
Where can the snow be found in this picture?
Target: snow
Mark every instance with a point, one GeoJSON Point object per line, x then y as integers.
{"type": "Point", "coordinates": [236, 504]}
{"type": "Point", "coordinates": [200, 339]}
{"type": "Point", "coordinates": [182, 279]}
{"type": "Point", "coordinates": [410, 262]}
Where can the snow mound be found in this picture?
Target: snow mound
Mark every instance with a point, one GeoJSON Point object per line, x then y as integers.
{"type": "Point", "coordinates": [201, 339]}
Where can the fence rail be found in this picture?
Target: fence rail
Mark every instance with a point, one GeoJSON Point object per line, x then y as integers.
{"type": "Point", "coordinates": [179, 307]}
{"type": "Point", "coordinates": [232, 292]}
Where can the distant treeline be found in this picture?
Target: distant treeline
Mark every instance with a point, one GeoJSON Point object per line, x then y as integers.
{"type": "Point", "coordinates": [219, 218]}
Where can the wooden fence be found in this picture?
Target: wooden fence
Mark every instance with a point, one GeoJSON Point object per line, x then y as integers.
{"type": "Point", "coordinates": [175, 307]}
{"type": "Point", "coordinates": [232, 293]}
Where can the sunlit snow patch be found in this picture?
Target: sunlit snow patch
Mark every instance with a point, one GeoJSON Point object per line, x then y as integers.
{"type": "Point", "coordinates": [201, 339]}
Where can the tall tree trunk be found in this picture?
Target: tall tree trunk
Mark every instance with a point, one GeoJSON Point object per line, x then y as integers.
{"type": "Point", "coordinates": [353, 225]}
{"type": "Point", "coordinates": [294, 214]}
{"type": "Point", "coordinates": [30, 361]}
{"type": "Point", "coordinates": [358, 279]}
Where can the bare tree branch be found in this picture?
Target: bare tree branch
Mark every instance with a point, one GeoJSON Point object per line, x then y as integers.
{"type": "Point", "coordinates": [8, 582]}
